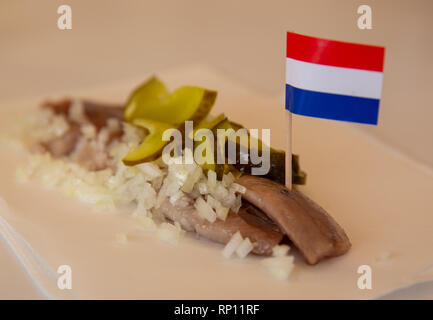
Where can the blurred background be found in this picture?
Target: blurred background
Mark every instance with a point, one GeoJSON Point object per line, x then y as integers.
{"type": "Point", "coordinates": [115, 40]}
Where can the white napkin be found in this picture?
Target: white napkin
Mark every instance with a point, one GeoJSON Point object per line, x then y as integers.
{"type": "Point", "coordinates": [43, 276]}
{"type": "Point", "coordinates": [380, 197]}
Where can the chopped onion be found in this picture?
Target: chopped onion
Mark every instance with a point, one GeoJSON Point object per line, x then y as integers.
{"type": "Point", "coordinates": [279, 267]}
{"type": "Point", "coordinates": [228, 179]}
{"type": "Point", "coordinates": [222, 212]}
{"type": "Point", "coordinates": [244, 248]}
{"type": "Point", "coordinates": [205, 210]}
{"type": "Point", "coordinates": [179, 171]}
{"type": "Point", "coordinates": [232, 245]}
{"type": "Point", "coordinates": [237, 205]}
{"type": "Point", "coordinates": [192, 178]}
{"type": "Point", "coordinates": [220, 193]}
{"type": "Point", "coordinates": [282, 273]}
{"type": "Point", "coordinates": [146, 224]}
{"type": "Point", "coordinates": [76, 112]}
{"type": "Point", "coordinates": [202, 188]}
{"type": "Point", "coordinates": [213, 202]}
{"type": "Point", "coordinates": [150, 170]}
{"type": "Point", "coordinates": [174, 198]}
{"type": "Point", "coordinates": [169, 233]}
{"type": "Point", "coordinates": [280, 250]}
{"type": "Point", "coordinates": [88, 130]}
{"type": "Point", "coordinates": [113, 124]}
{"type": "Point", "coordinates": [238, 188]}
{"type": "Point", "coordinates": [211, 179]}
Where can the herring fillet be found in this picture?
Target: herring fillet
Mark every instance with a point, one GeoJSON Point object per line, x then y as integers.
{"type": "Point", "coordinates": [313, 231]}
{"type": "Point", "coordinates": [264, 239]}
{"type": "Point", "coordinates": [309, 227]}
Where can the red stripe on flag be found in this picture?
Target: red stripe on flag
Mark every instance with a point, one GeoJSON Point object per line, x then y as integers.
{"type": "Point", "coordinates": [334, 53]}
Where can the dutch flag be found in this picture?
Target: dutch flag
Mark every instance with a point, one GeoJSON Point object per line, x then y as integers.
{"type": "Point", "coordinates": [333, 79]}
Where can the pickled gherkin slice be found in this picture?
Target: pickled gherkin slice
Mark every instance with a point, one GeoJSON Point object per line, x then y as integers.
{"type": "Point", "coordinates": [152, 101]}
{"type": "Point", "coordinates": [298, 176]}
{"type": "Point", "coordinates": [152, 145]}
{"type": "Point", "coordinates": [150, 94]}
{"type": "Point", "coordinates": [153, 108]}
{"type": "Point", "coordinates": [277, 158]}
{"type": "Point", "coordinates": [209, 122]}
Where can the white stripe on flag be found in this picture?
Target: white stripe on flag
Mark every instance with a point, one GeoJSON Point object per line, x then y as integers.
{"type": "Point", "coordinates": [330, 79]}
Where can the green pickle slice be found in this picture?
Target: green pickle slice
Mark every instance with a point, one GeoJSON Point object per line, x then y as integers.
{"type": "Point", "coordinates": [277, 158]}
{"type": "Point", "coordinates": [152, 101]}
{"type": "Point", "coordinates": [152, 145]}
{"type": "Point", "coordinates": [153, 108]}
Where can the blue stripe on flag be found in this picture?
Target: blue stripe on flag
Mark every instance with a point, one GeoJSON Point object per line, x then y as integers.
{"type": "Point", "coordinates": [331, 106]}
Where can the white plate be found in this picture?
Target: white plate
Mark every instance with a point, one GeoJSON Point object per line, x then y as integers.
{"type": "Point", "coordinates": [382, 200]}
